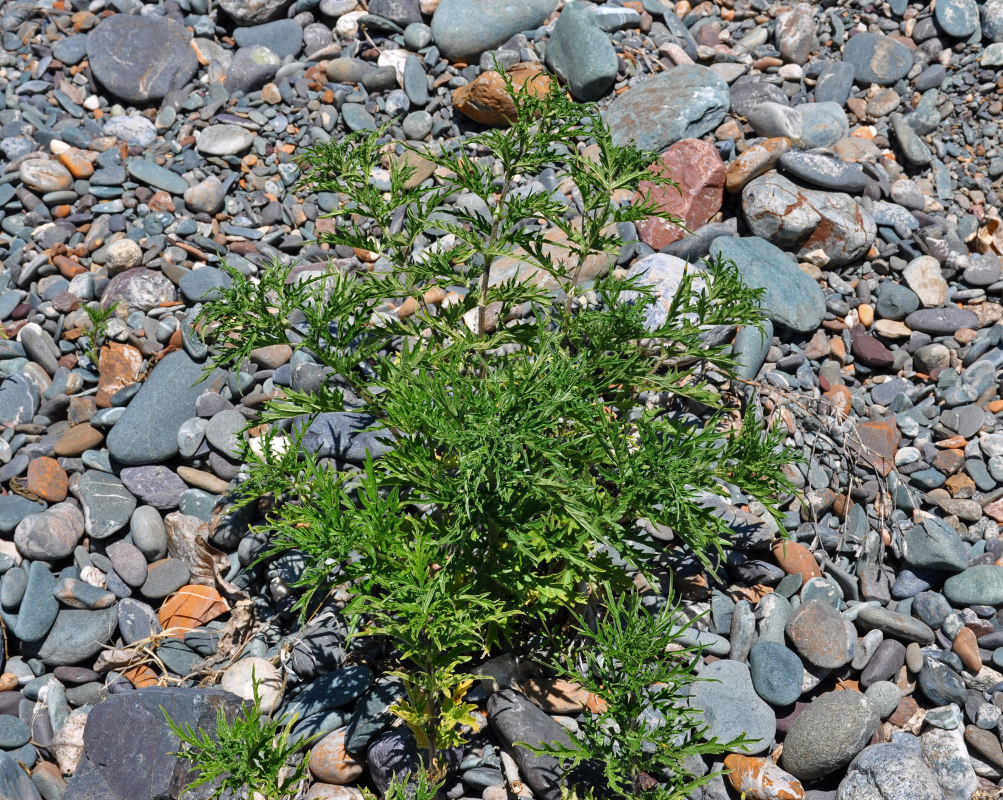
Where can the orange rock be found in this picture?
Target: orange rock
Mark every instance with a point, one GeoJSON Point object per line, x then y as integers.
{"type": "Point", "coordinates": [140, 676]}
{"type": "Point", "coordinates": [796, 559]}
{"type": "Point", "coordinates": [47, 479]}
{"type": "Point", "coordinates": [77, 439]}
{"type": "Point", "coordinates": [876, 441]}
{"type": "Point", "coordinates": [485, 100]}
{"type": "Point", "coordinates": [760, 779]}
{"type": "Point", "coordinates": [865, 313]}
{"type": "Point", "coordinates": [77, 162]}
{"type": "Point", "coordinates": [189, 607]}
{"type": "Point", "coordinates": [119, 367]}
{"type": "Point", "coordinates": [966, 645]}
{"type": "Point", "coordinates": [331, 762]}
{"type": "Point", "coordinates": [68, 267]}
{"type": "Point", "coordinates": [840, 399]}
{"type": "Point", "coordinates": [8, 682]}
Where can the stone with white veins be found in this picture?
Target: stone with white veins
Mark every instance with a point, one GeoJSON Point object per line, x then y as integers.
{"type": "Point", "coordinates": [107, 504]}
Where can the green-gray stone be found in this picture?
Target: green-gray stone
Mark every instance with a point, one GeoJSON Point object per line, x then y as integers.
{"type": "Point", "coordinates": [156, 176]}
{"type": "Point", "coordinates": [792, 297]}
{"type": "Point", "coordinates": [979, 585]}
{"type": "Point", "coordinates": [581, 54]}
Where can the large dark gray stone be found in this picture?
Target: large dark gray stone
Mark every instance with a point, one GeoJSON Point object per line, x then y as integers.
{"type": "Point", "coordinates": [515, 718]}
{"type": "Point", "coordinates": [127, 744]}
{"type": "Point", "coordinates": [147, 433]}
{"type": "Point", "coordinates": [140, 59]}
{"type": "Point", "coordinates": [581, 54]}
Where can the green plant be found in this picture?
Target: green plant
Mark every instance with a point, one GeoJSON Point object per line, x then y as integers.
{"type": "Point", "coordinates": [417, 786]}
{"type": "Point", "coordinates": [251, 751]}
{"type": "Point", "coordinates": [640, 730]}
{"type": "Point", "coordinates": [99, 318]}
{"type": "Point", "coordinates": [527, 442]}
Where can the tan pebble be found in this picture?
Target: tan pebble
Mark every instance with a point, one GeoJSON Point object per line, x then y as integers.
{"type": "Point", "coordinates": [865, 313]}
{"type": "Point", "coordinates": [8, 682]}
{"type": "Point", "coordinates": [796, 559]}
{"type": "Point", "coordinates": [330, 761]}
{"type": "Point", "coordinates": [967, 647]}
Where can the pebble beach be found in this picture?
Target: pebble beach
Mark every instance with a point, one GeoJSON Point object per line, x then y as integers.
{"type": "Point", "coordinates": [846, 155]}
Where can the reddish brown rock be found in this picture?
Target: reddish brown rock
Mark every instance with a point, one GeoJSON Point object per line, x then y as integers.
{"type": "Point", "coordinates": [869, 351]}
{"type": "Point", "coordinates": [760, 779]}
{"type": "Point", "coordinates": [485, 100]}
{"type": "Point", "coordinates": [796, 559]}
{"type": "Point", "coordinates": [700, 173]}
{"type": "Point", "coordinates": [840, 399]}
{"type": "Point", "coordinates": [77, 439]}
{"type": "Point", "coordinates": [189, 607]}
{"type": "Point", "coordinates": [876, 442]}
{"type": "Point", "coordinates": [330, 761]}
{"type": "Point", "coordinates": [47, 479]}
{"type": "Point", "coordinates": [120, 366]}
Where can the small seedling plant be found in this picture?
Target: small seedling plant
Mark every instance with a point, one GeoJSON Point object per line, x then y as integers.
{"type": "Point", "coordinates": [530, 426]}
{"type": "Point", "coordinates": [251, 751]}
{"type": "Point", "coordinates": [640, 729]}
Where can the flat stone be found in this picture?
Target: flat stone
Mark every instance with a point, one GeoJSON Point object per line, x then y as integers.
{"type": "Point", "coordinates": [107, 504]}
{"type": "Point", "coordinates": [115, 726]}
{"type": "Point", "coordinates": [935, 545]}
{"type": "Point", "coordinates": [941, 321]}
{"type": "Point", "coordinates": [156, 176]}
{"type": "Point", "coordinates": [224, 140]}
{"type": "Point", "coordinates": [164, 577]}
{"type": "Point", "coordinates": [147, 433]}
{"type": "Point", "coordinates": [51, 534]}
{"type": "Point", "coordinates": [730, 706]}
{"type": "Point", "coordinates": [979, 585]}
{"type": "Point", "coordinates": [43, 175]}
{"type": "Point", "coordinates": [683, 102]}
{"type": "Point", "coordinates": [776, 672]}
{"type": "Point", "coordinates": [39, 607]}
{"type": "Point", "coordinates": [817, 633]}
{"type": "Point", "coordinates": [791, 298]}
{"type": "Point", "coordinates": [877, 59]}
{"type": "Point", "coordinates": [891, 623]}
{"type": "Point", "coordinates": [699, 175]}
{"type": "Point", "coordinates": [155, 486]}
{"type": "Point", "coordinates": [140, 59]}
{"type": "Point", "coordinates": [336, 689]}
{"type": "Point", "coordinates": [78, 635]}
{"type": "Point", "coordinates": [463, 29]}
{"type": "Point", "coordinates": [284, 37]}
{"type": "Point", "coordinates": [824, 171]}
